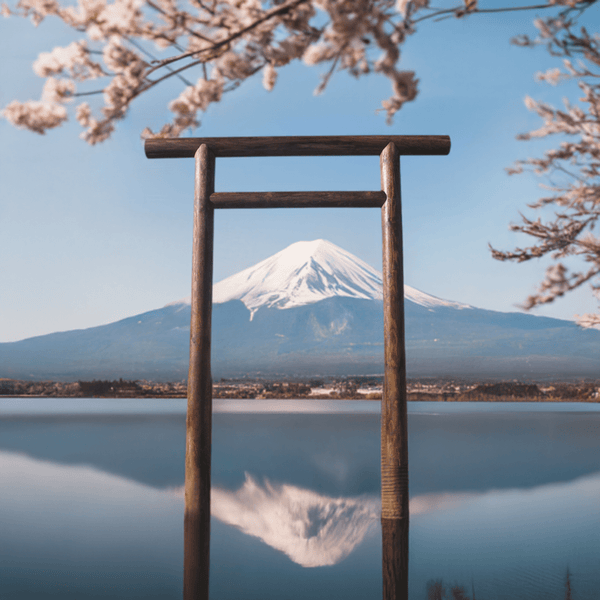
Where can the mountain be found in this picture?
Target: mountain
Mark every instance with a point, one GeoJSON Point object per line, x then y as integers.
{"type": "Point", "coordinates": [312, 309]}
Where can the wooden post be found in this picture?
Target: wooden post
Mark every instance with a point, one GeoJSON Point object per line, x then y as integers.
{"type": "Point", "coordinates": [199, 411]}
{"type": "Point", "coordinates": [394, 433]}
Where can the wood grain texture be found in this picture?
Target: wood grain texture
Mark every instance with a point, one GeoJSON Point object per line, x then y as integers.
{"type": "Point", "coordinates": [328, 145]}
{"type": "Point", "coordinates": [297, 199]}
{"type": "Point", "coordinates": [199, 412]}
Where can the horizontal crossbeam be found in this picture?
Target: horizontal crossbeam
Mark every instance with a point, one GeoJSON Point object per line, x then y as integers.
{"type": "Point", "coordinates": [297, 199]}
{"type": "Point", "coordinates": [323, 145]}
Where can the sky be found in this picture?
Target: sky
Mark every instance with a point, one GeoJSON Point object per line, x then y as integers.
{"type": "Point", "coordinates": [91, 235]}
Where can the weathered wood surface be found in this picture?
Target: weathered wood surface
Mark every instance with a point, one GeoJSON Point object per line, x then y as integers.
{"type": "Point", "coordinates": [394, 433]}
{"type": "Point", "coordinates": [199, 411]}
{"type": "Point", "coordinates": [297, 199]}
{"type": "Point", "coordinates": [327, 145]}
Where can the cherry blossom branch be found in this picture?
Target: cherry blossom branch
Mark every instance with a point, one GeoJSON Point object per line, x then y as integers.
{"type": "Point", "coordinates": [270, 39]}
{"type": "Point", "coordinates": [187, 29]}
{"type": "Point", "coordinates": [570, 233]}
{"type": "Point", "coordinates": [150, 55]}
{"type": "Point", "coordinates": [464, 11]}
{"type": "Point", "coordinates": [217, 45]}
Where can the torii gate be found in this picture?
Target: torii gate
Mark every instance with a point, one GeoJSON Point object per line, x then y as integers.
{"type": "Point", "coordinates": [394, 440]}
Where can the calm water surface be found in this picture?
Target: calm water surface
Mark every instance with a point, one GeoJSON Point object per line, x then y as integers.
{"type": "Point", "coordinates": [504, 499]}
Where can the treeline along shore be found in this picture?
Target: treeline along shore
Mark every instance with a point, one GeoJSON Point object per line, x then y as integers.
{"type": "Point", "coordinates": [358, 388]}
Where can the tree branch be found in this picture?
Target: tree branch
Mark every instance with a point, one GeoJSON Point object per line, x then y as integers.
{"type": "Point", "coordinates": [275, 12]}
{"type": "Point", "coordinates": [453, 11]}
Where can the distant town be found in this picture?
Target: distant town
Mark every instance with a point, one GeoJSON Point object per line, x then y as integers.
{"type": "Point", "coordinates": [351, 388]}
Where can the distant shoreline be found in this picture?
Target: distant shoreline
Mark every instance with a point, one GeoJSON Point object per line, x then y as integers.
{"type": "Point", "coordinates": [367, 388]}
{"type": "Point", "coordinates": [431, 399]}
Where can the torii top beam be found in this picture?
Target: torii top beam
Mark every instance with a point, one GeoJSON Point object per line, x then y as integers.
{"type": "Point", "coordinates": [328, 145]}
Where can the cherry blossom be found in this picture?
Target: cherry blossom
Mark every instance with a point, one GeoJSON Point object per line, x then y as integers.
{"type": "Point", "coordinates": [565, 231]}
{"type": "Point", "coordinates": [128, 47]}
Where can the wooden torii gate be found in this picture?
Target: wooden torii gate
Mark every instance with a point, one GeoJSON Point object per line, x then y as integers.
{"type": "Point", "coordinates": [394, 441]}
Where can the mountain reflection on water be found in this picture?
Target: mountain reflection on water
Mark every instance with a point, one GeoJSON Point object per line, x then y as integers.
{"type": "Point", "coordinates": [91, 506]}
{"type": "Point", "coordinates": [311, 529]}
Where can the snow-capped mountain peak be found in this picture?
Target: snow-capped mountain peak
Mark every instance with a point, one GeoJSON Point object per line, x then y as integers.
{"type": "Point", "coordinates": [302, 273]}
{"type": "Point", "coordinates": [307, 272]}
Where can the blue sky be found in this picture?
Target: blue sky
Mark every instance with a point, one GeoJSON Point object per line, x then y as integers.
{"type": "Point", "coordinates": [90, 235]}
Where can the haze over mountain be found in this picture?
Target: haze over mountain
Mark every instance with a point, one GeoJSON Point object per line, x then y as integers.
{"type": "Point", "coordinates": [312, 309]}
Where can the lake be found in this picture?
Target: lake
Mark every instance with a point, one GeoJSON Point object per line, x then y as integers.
{"type": "Point", "coordinates": [504, 499]}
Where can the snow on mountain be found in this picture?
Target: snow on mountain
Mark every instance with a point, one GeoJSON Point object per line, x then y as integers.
{"type": "Point", "coordinates": [307, 272]}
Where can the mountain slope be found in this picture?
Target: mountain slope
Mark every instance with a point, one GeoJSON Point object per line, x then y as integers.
{"type": "Point", "coordinates": [312, 309]}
